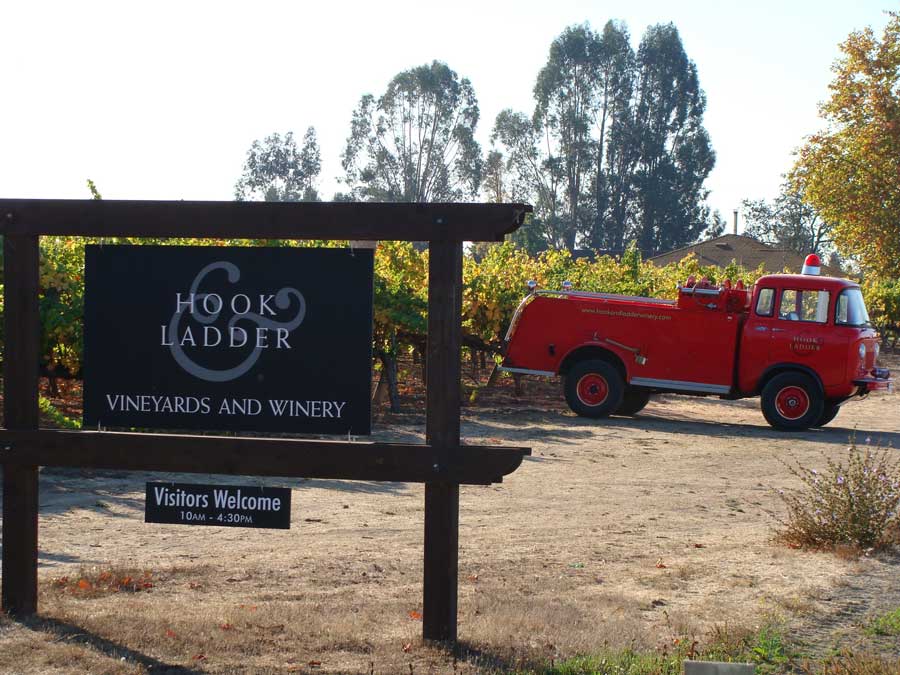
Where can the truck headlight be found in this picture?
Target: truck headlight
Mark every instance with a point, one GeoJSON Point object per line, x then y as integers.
{"type": "Point", "coordinates": [862, 351]}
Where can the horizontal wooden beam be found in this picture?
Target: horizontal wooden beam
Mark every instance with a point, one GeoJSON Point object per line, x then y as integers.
{"type": "Point", "coordinates": [467, 464]}
{"type": "Point", "coordinates": [261, 220]}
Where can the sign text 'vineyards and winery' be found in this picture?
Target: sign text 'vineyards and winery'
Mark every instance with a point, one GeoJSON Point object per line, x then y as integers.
{"type": "Point", "coordinates": [228, 338]}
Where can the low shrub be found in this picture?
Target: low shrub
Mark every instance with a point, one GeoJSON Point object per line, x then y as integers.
{"type": "Point", "coordinates": [886, 624]}
{"type": "Point", "coordinates": [850, 503]}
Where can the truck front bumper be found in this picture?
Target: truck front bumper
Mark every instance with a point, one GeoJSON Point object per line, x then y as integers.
{"type": "Point", "coordinates": [880, 380]}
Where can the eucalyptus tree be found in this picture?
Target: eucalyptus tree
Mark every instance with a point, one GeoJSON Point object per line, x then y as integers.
{"type": "Point", "coordinates": [277, 171]}
{"type": "Point", "coordinates": [675, 154]}
{"type": "Point", "coordinates": [788, 221]}
{"type": "Point", "coordinates": [534, 176]}
{"type": "Point", "coordinates": [616, 152]}
{"type": "Point", "coordinates": [416, 142]}
{"type": "Point", "coordinates": [566, 99]}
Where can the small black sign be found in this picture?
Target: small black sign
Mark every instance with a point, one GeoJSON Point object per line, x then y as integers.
{"type": "Point", "coordinates": [228, 338]}
{"type": "Point", "coordinates": [218, 505]}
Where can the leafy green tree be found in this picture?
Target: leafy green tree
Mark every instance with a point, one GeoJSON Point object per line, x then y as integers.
{"type": "Point", "coordinates": [675, 152]}
{"type": "Point", "coordinates": [416, 142]}
{"type": "Point", "coordinates": [533, 177]}
{"type": "Point", "coordinates": [787, 222]}
{"type": "Point", "coordinates": [849, 171]}
{"type": "Point", "coordinates": [277, 171]}
{"type": "Point", "coordinates": [615, 150]}
{"type": "Point", "coordinates": [566, 104]}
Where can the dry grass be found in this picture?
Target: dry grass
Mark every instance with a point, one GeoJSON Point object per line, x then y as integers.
{"type": "Point", "coordinates": [191, 620]}
{"type": "Point", "coordinates": [854, 663]}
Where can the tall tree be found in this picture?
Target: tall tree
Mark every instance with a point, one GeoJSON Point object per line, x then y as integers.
{"type": "Point", "coordinates": [616, 152]}
{"type": "Point", "coordinates": [534, 176]}
{"type": "Point", "coordinates": [277, 171]}
{"type": "Point", "coordinates": [675, 151]}
{"type": "Point", "coordinates": [788, 222]}
{"type": "Point", "coordinates": [416, 142]}
{"type": "Point", "coordinates": [566, 105]}
{"type": "Point", "coordinates": [616, 148]}
{"type": "Point", "coordinates": [850, 171]}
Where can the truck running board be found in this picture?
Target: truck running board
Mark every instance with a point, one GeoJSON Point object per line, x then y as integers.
{"type": "Point", "coordinates": [680, 385]}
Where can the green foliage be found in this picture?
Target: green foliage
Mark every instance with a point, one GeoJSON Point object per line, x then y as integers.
{"type": "Point", "coordinates": [848, 171]}
{"type": "Point", "coordinates": [60, 420]}
{"type": "Point", "coordinates": [277, 171]}
{"type": "Point", "coordinates": [883, 302]}
{"type": "Point", "coordinates": [886, 624]}
{"type": "Point", "coordinates": [852, 502]}
{"type": "Point", "coordinates": [766, 647]}
{"type": "Point", "coordinates": [787, 222]}
{"type": "Point", "coordinates": [416, 143]}
{"type": "Point", "coordinates": [616, 148]}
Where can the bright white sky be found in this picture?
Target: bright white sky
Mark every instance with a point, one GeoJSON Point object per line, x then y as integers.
{"type": "Point", "coordinates": [161, 100]}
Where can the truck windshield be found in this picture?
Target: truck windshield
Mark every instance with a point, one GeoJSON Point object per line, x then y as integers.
{"type": "Point", "coordinates": [851, 309]}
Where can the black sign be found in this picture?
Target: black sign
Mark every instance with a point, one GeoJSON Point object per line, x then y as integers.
{"type": "Point", "coordinates": [219, 505]}
{"type": "Point", "coordinates": [224, 338]}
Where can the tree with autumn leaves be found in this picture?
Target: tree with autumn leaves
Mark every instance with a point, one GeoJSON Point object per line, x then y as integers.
{"type": "Point", "coordinates": [850, 171]}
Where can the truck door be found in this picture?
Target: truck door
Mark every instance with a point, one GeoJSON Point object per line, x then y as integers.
{"type": "Point", "coordinates": [801, 334]}
{"type": "Point", "coordinates": [755, 341]}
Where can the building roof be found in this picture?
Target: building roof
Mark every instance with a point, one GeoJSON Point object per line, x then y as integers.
{"type": "Point", "coordinates": [746, 251]}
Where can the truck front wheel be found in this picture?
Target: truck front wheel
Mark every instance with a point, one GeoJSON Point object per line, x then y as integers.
{"type": "Point", "coordinates": [792, 402]}
{"type": "Point", "coordinates": [594, 388]}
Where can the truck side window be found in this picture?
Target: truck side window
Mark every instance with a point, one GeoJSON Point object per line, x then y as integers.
{"type": "Point", "coordinates": [766, 302]}
{"type": "Point", "coordinates": [804, 306]}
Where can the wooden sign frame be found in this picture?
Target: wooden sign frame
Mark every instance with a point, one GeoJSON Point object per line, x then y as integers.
{"type": "Point", "coordinates": [442, 463]}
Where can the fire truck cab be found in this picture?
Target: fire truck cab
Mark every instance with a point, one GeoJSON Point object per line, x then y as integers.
{"type": "Point", "coordinates": [802, 343]}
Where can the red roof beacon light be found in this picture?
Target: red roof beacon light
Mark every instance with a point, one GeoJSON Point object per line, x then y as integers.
{"type": "Point", "coordinates": [812, 265]}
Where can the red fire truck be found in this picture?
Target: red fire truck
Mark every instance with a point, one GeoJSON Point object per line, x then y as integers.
{"type": "Point", "coordinates": [802, 342]}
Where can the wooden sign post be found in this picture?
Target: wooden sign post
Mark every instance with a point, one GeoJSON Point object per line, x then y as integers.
{"type": "Point", "coordinates": [442, 463]}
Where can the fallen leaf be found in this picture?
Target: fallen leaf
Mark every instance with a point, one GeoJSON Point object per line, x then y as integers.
{"type": "Point", "coordinates": [200, 657]}
{"type": "Point", "coordinates": [416, 616]}
{"type": "Point", "coordinates": [660, 565]}
{"type": "Point", "coordinates": [84, 584]}
{"type": "Point", "coordinates": [473, 577]}
{"type": "Point", "coordinates": [171, 633]}
{"type": "Point", "coordinates": [699, 545]}
{"type": "Point", "coordinates": [226, 626]}
{"type": "Point", "coordinates": [407, 647]}
{"type": "Point", "coordinates": [314, 664]}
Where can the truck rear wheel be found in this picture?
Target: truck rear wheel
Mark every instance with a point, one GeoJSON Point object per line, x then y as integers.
{"type": "Point", "coordinates": [594, 388]}
{"type": "Point", "coordinates": [633, 401]}
{"type": "Point", "coordinates": [829, 412]}
{"type": "Point", "coordinates": [792, 402]}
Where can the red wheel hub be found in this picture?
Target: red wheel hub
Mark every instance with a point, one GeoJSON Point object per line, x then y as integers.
{"type": "Point", "coordinates": [592, 389]}
{"type": "Point", "coordinates": [792, 402]}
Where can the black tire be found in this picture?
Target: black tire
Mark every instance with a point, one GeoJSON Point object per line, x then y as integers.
{"type": "Point", "coordinates": [594, 388]}
{"type": "Point", "coordinates": [792, 401]}
{"type": "Point", "coordinates": [633, 401]}
{"type": "Point", "coordinates": [829, 412]}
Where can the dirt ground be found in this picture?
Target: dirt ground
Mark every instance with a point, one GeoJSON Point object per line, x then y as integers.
{"type": "Point", "coordinates": [626, 531]}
